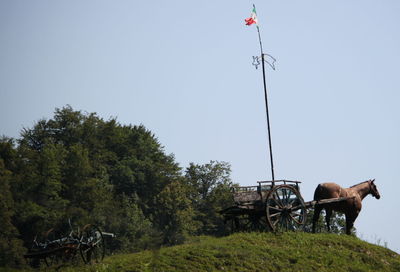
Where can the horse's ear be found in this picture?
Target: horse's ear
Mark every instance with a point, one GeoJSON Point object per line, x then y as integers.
{"type": "Point", "coordinates": [372, 180]}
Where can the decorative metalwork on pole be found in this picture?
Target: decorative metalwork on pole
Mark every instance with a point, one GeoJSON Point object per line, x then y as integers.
{"type": "Point", "coordinates": [271, 61]}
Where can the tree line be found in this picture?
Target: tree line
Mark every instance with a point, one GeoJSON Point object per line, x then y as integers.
{"type": "Point", "coordinates": [81, 167]}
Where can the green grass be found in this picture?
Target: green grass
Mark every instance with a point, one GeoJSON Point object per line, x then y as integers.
{"type": "Point", "coordinates": [257, 252]}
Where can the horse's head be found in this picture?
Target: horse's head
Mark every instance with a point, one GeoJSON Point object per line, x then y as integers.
{"type": "Point", "coordinates": [373, 190]}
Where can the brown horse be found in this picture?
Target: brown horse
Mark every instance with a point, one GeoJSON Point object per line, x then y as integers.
{"type": "Point", "coordinates": [350, 207]}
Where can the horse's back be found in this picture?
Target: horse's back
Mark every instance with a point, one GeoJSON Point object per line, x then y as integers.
{"type": "Point", "coordinates": [327, 190]}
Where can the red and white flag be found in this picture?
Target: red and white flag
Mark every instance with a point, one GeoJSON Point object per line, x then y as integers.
{"type": "Point", "coordinates": [253, 18]}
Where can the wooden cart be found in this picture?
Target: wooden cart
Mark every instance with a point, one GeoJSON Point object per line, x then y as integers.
{"type": "Point", "coordinates": [89, 242]}
{"type": "Point", "coordinates": [270, 205]}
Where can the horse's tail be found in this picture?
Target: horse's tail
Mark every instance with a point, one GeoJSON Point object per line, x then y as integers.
{"type": "Point", "coordinates": [318, 192]}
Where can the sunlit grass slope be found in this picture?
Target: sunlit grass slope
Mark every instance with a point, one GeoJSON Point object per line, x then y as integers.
{"type": "Point", "coordinates": [258, 252]}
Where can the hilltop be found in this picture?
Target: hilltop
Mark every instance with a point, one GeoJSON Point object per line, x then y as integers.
{"type": "Point", "coordinates": [258, 252]}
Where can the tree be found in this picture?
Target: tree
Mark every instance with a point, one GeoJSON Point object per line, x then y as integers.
{"type": "Point", "coordinates": [134, 231]}
{"type": "Point", "coordinates": [38, 186]}
{"type": "Point", "coordinates": [11, 247]}
{"type": "Point", "coordinates": [77, 165]}
{"type": "Point", "coordinates": [209, 192]}
{"type": "Point", "coordinates": [175, 214]}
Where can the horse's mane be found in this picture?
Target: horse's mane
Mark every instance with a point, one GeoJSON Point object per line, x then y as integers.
{"type": "Point", "coordinates": [359, 183]}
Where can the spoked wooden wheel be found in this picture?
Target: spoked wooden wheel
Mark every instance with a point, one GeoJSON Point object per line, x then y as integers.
{"type": "Point", "coordinates": [231, 223]}
{"type": "Point", "coordinates": [44, 242]}
{"type": "Point", "coordinates": [51, 244]}
{"type": "Point", "coordinates": [92, 247]}
{"type": "Point", "coordinates": [250, 222]}
{"type": "Point", "coordinates": [285, 209]}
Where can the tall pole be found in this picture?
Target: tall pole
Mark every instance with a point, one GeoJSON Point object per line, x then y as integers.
{"type": "Point", "coordinates": [267, 113]}
{"type": "Point", "coordinates": [266, 104]}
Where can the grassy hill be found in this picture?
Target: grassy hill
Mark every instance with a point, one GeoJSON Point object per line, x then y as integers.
{"type": "Point", "coordinates": [258, 252]}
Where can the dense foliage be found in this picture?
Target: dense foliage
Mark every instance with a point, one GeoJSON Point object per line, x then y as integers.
{"type": "Point", "coordinates": [78, 166]}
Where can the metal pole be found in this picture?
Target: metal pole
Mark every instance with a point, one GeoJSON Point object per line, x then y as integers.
{"type": "Point", "coordinates": [266, 104]}
{"type": "Point", "coordinates": [267, 112]}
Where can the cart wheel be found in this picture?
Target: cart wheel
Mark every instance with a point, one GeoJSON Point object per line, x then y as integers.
{"type": "Point", "coordinates": [285, 209]}
{"type": "Point", "coordinates": [51, 244]}
{"type": "Point", "coordinates": [229, 221]}
{"type": "Point", "coordinates": [92, 247]}
{"type": "Point", "coordinates": [249, 222]}
{"type": "Point", "coordinates": [45, 241]}
{"type": "Point", "coordinates": [256, 222]}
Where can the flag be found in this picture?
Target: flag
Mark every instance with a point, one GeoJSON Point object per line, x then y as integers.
{"type": "Point", "coordinates": [253, 18]}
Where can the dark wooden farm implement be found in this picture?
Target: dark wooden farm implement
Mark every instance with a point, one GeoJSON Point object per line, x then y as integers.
{"type": "Point", "coordinates": [88, 243]}
{"type": "Point", "coordinates": [270, 205]}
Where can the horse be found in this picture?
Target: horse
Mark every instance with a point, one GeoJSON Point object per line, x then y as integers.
{"type": "Point", "coordinates": [350, 207]}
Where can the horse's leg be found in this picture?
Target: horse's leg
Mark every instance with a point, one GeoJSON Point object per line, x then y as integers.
{"type": "Point", "coordinates": [349, 225]}
{"type": "Point", "coordinates": [317, 211]}
{"type": "Point", "coordinates": [350, 218]}
{"type": "Point", "coordinates": [328, 218]}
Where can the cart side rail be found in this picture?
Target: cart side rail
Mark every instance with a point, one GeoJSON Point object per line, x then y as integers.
{"type": "Point", "coordinates": [283, 181]}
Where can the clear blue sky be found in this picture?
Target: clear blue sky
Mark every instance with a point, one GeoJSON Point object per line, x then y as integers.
{"type": "Point", "coordinates": [183, 69]}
